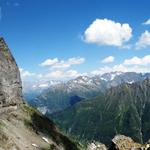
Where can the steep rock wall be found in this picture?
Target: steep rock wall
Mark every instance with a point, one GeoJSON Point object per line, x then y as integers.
{"type": "Point", "coordinates": [10, 82]}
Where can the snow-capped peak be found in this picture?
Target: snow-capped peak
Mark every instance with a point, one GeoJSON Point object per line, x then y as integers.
{"type": "Point", "coordinates": [81, 79]}
{"type": "Point", "coordinates": [44, 85]}
{"type": "Point", "coordinates": [110, 76]}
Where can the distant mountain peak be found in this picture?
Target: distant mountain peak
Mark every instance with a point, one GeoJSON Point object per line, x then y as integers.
{"type": "Point", "coordinates": [110, 76]}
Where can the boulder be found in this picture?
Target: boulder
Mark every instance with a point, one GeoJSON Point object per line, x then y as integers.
{"type": "Point", "coordinates": [121, 142]}
{"type": "Point", "coordinates": [96, 146]}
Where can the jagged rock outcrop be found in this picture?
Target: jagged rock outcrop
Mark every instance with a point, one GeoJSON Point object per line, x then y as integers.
{"type": "Point", "coordinates": [10, 82]}
{"type": "Point", "coordinates": [121, 142]}
{"type": "Point", "coordinates": [96, 146]}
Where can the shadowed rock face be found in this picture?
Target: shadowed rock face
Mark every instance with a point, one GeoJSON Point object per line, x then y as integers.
{"type": "Point", "coordinates": [10, 82]}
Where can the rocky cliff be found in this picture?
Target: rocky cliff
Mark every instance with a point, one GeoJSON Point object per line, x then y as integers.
{"type": "Point", "coordinates": [10, 82]}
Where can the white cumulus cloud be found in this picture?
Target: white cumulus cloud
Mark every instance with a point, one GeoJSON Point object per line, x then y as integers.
{"type": "Point", "coordinates": [57, 69]}
{"type": "Point", "coordinates": [108, 32]}
{"type": "Point", "coordinates": [25, 73]}
{"type": "Point", "coordinates": [107, 69]}
{"type": "Point", "coordinates": [134, 64]}
{"type": "Point", "coordinates": [147, 22]}
{"type": "Point", "coordinates": [61, 74]}
{"type": "Point", "coordinates": [143, 41]}
{"type": "Point", "coordinates": [49, 62]}
{"type": "Point", "coordinates": [62, 64]}
{"type": "Point", "coordinates": [108, 59]}
{"type": "Point", "coordinates": [74, 60]}
{"type": "Point", "coordinates": [72, 73]}
{"type": "Point", "coordinates": [121, 68]}
{"type": "Point", "coordinates": [138, 61]}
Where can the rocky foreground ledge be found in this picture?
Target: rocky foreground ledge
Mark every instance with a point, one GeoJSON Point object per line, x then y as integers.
{"type": "Point", "coordinates": [120, 142]}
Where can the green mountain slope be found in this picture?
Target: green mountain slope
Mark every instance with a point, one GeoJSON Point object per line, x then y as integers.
{"type": "Point", "coordinates": [122, 110]}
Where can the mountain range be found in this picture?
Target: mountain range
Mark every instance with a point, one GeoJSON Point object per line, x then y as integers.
{"type": "Point", "coordinates": [123, 109]}
{"type": "Point", "coordinates": [99, 107]}
{"type": "Point", "coordinates": [53, 96]}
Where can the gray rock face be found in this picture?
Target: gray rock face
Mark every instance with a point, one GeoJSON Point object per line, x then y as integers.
{"type": "Point", "coordinates": [121, 142]}
{"type": "Point", "coordinates": [10, 82]}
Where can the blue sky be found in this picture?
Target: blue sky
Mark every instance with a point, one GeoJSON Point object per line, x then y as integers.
{"type": "Point", "coordinates": [61, 39]}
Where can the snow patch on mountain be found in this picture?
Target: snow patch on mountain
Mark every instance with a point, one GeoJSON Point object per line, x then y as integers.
{"type": "Point", "coordinates": [43, 109]}
{"type": "Point", "coordinates": [131, 82]}
{"type": "Point", "coordinates": [110, 76]}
